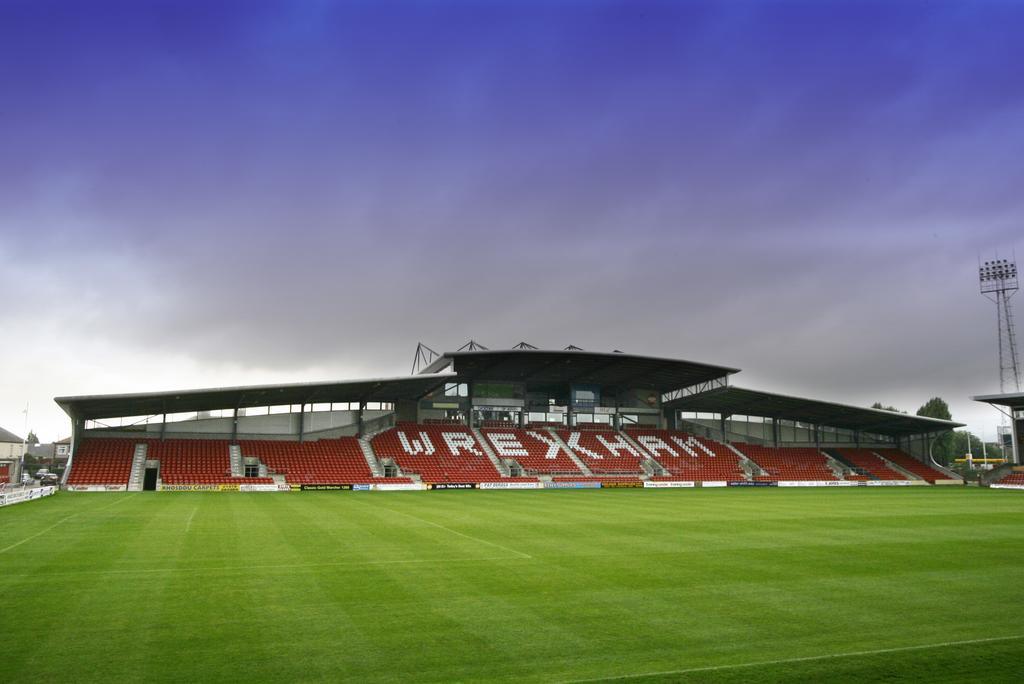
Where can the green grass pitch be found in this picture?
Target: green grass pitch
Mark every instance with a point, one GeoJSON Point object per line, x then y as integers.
{"type": "Point", "coordinates": [708, 585]}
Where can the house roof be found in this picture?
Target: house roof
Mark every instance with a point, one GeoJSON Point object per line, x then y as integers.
{"type": "Point", "coordinates": [7, 436]}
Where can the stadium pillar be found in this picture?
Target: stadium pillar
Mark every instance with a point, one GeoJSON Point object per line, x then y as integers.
{"type": "Point", "coordinates": [302, 421]}
{"type": "Point", "coordinates": [163, 427]}
{"type": "Point", "coordinates": [817, 437]}
{"type": "Point", "coordinates": [1017, 434]}
{"type": "Point", "coordinates": [234, 425]}
{"type": "Point", "coordinates": [77, 428]}
{"type": "Point", "coordinates": [359, 418]}
{"type": "Point", "coordinates": [522, 416]}
{"type": "Point", "coordinates": [775, 432]}
{"type": "Point", "coordinates": [469, 401]}
{"type": "Point", "coordinates": [721, 424]}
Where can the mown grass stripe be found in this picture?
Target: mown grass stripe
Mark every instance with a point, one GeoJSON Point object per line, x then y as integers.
{"type": "Point", "coordinates": [801, 659]}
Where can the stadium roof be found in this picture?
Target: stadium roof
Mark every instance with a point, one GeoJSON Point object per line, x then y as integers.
{"type": "Point", "coordinates": [599, 368]}
{"type": "Point", "coordinates": [1015, 401]}
{"type": "Point", "coordinates": [738, 401]}
{"type": "Point", "coordinates": [186, 401]}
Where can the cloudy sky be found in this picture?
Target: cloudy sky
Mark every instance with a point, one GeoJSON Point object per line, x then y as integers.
{"type": "Point", "coordinates": [212, 193]}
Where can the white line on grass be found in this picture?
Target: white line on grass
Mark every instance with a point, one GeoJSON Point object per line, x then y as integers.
{"type": "Point", "coordinates": [188, 523]}
{"type": "Point", "coordinates": [460, 534]}
{"type": "Point", "coordinates": [62, 520]}
{"type": "Point", "coordinates": [804, 659]}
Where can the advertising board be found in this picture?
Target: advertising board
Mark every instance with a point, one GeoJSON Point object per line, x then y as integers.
{"type": "Point", "coordinates": [97, 488]}
{"type": "Point", "coordinates": [662, 484]}
{"type": "Point", "coordinates": [262, 488]}
{"type": "Point", "coordinates": [410, 487]}
{"type": "Point", "coordinates": [9, 498]}
{"type": "Point", "coordinates": [453, 485]}
{"type": "Point", "coordinates": [193, 488]}
{"type": "Point", "coordinates": [327, 487]}
{"type": "Point", "coordinates": [509, 485]}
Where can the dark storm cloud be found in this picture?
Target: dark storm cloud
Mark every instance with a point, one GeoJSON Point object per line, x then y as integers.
{"type": "Point", "coordinates": [800, 190]}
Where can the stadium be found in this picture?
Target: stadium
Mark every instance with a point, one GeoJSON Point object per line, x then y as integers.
{"type": "Point", "coordinates": [700, 532]}
{"type": "Point", "coordinates": [521, 418]}
{"type": "Point", "coordinates": [224, 225]}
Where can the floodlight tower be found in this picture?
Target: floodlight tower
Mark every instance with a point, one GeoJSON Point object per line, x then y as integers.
{"type": "Point", "coordinates": [998, 281]}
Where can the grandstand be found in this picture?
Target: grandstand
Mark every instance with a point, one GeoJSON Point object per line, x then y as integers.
{"type": "Point", "coordinates": [1010, 406]}
{"type": "Point", "coordinates": [507, 418]}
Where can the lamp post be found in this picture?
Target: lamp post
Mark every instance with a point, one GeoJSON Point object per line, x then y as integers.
{"type": "Point", "coordinates": [24, 446]}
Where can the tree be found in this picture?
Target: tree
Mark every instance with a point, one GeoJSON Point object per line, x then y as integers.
{"type": "Point", "coordinates": [959, 445]}
{"type": "Point", "coordinates": [935, 407]}
{"type": "Point", "coordinates": [942, 448]}
{"type": "Point", "coordinates": [878, 405]}
{"type": "Point", "coordinates": [32, 439]}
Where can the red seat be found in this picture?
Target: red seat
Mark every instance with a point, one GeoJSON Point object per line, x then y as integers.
{"type": "Point", "coordinates": [688, 457]}
{"type": "Point", "coordinates": [437, 453]}
{"type": "Point", "coordinates": [326, 461]}
{"type": "Point", "coordinates": [536, 451]}
{"type": "Point", "coordinates": [102, 460]}
{"type": "Point", "coordinates": [911, 464]}
{"type": "Point", "coordinates": [603, 450]}
{"type": "Point", "coordinates": [870, 462]}
{"type": "Point", "coordinates": [788, 463]}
